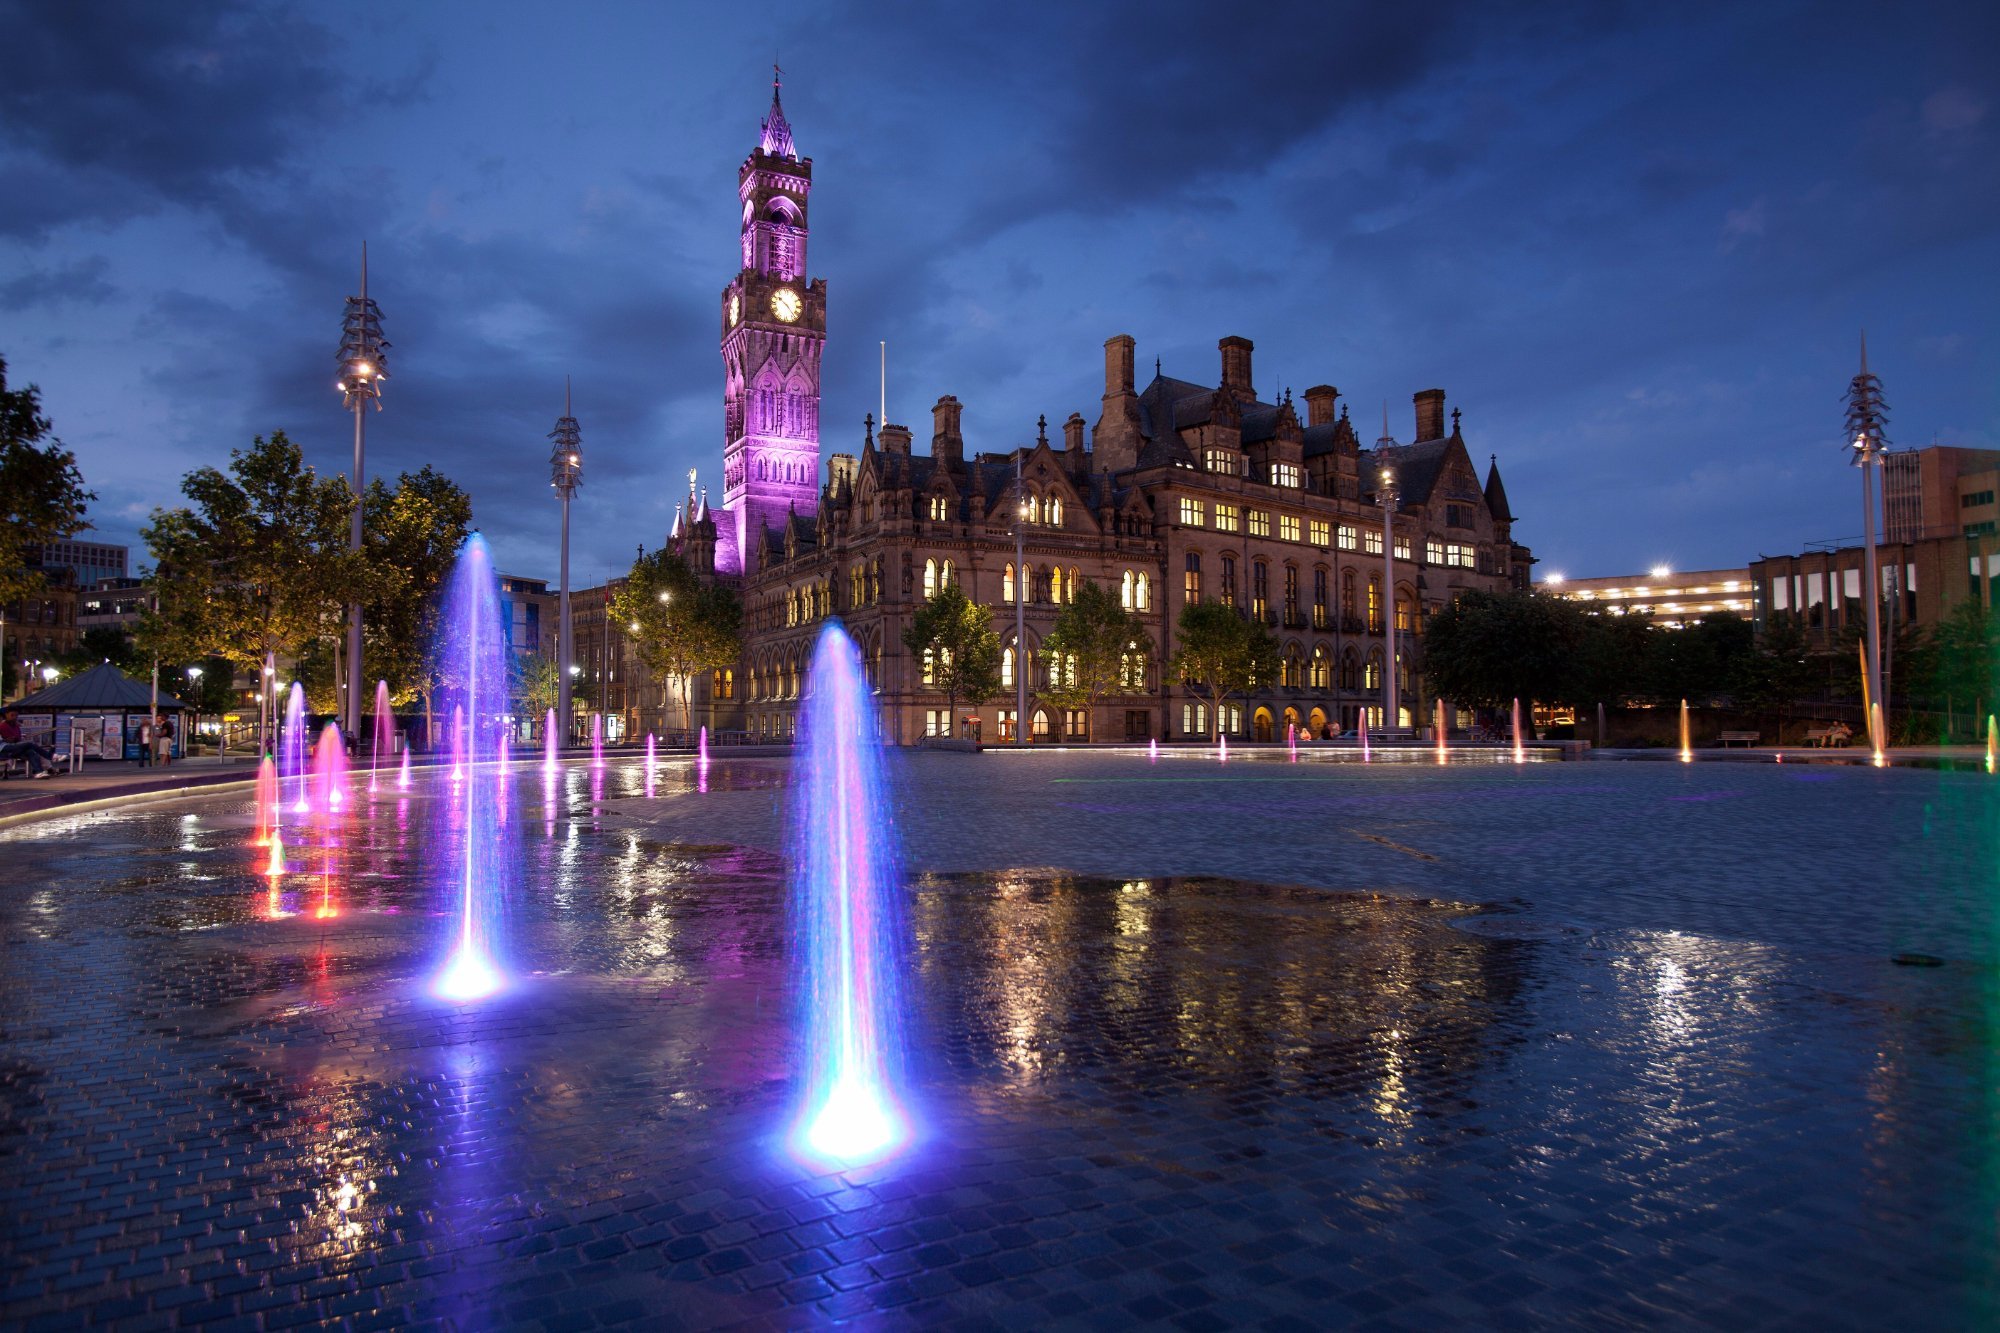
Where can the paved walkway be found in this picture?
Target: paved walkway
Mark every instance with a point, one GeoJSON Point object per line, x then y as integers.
{"type": "Point", "coordinates": [1581, 1045]}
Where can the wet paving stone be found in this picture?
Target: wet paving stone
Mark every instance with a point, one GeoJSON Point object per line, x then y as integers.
{"type": "Point", "coordinates": [1168, 1097]}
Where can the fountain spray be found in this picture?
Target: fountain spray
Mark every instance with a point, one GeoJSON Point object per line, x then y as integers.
{"type": "Point", "coordinates": [1365, 756]}
{"type": "Point", "coordinates": [649, 765]}
{"type": "Point", "coordinates": [267, 801]}
{"type": "Point", "coordinates": [1519, 752]}
{"type": "Point", "coordinates": [1687, 743]}
{"type": "Point", "coordinates": [385, 734]}
{"type": "Point", "coordinates": [847, 920]}
{"type": "Point", "coordinates": [1438, 726]}
{"type": "Point", "coordinates": [481, 857]}
{"type": "Point", "coordinates": [403, 775]}
{"type": "Point", "coordinates": [1992, 743]}
{"type": "Point", "coordinates": [297, 748]}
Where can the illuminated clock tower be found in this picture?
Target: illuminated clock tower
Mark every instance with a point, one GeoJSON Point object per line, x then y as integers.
{"type": "Point", "coordinates": [773, 330]}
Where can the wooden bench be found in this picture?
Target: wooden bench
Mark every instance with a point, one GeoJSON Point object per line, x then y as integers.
{"type": "Point", "coordinates": [1730, 738]}
{"type": "Point", "coordinates": [1824, 736]}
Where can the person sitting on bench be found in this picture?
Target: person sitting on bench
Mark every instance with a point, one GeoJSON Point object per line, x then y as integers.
{"type": "Point", "coordinates": [13, 747]}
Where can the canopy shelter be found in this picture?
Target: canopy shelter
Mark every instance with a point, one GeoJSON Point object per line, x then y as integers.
{"type": "Point", "coordinates": [102, 707]}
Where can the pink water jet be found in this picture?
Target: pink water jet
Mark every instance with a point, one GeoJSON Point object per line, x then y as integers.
{"type": "Point", "coordinates": [385, 734]}
{"type": "Point", "coordinates": [297, 751]}
{"type": "Point", "coordinates": [1153, 750]}
{"type": "Point", "coordinates": [701, 747]}
{"type": "Point", "coordinates": [1365, 756]}
{"type": "Point", "coordinates": [267, 801]}
{"type": "Point", "coordinates": [549, 744]}
{"type": "Point", "coordinates": [330, 770]}
{"type": "Point", "coordinates": [1222, 749]}
{"type": "Point", "coordinates": [274, 865]}
{"type": "Point", "coordinates": [597, 739]}
{"type": "Point", "coordinates": [403, 776]}
{"type": "Point", "coordinates": [649, 765]}
{"type": "Point", "coordinates": [458, 743]}
{"type": "Point", "coordinates": [1292, 740]}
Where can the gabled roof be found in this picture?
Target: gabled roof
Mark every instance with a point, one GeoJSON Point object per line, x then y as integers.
{"type": "Point", "coordinates": [103, 686]}
{"type": "Point", "coordinates": [1417, 466]}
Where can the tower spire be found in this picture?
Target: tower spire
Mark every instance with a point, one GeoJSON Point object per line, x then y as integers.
{"type": "Point", "coordinates": [775, 137]}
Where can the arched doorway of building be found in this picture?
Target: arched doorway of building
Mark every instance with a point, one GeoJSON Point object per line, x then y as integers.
{"type": "Point", "coordinates": [1317, 720]}
{"type": "Point", "coordinates": [1260, 724]}
{"type": "Point", "coordinates": [1040, 734]}
{"type": "Point", "coordinates": [1291, 721]}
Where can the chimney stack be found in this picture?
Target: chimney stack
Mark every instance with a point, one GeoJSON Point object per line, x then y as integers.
{"type": "Point", "coordinates": [946, 441]}
{"type": "Point", "coordinates": [1073, 435]}
{"type": "Point", "coordinates": [1319, 404]}
{"type": "Point", "coordinates": [894, 439]}
{"type": "Point", "coordinates": [1236, 367]}
{"type": "Point", "coordinates": [1118, 365]}
{"type": "Point", "coordinates": [1430, 414]}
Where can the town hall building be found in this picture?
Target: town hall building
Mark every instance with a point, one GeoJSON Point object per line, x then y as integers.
{"type": "Point", "coordinates": [1180, 491]}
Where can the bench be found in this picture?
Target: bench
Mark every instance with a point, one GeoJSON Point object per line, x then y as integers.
{"type": "Point", "coordinates": [1730, 738]}
{"type": "Point", "coordinates": [1824, 736]}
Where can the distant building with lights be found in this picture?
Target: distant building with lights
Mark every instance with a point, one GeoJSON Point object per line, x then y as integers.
{"type": "Point", "coordinates": [1671, 597]}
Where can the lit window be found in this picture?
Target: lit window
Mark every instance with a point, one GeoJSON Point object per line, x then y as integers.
{"type": "Point", "coordinates": [1372, 542]}
{"type": "Point", "coordinates": [1056, 584]}
{"type": "Point", "coordinates": [1219, 460]}
{"type": "Point", "coordinates": [1350, 538]}
{"type": "Point", "coordinates": [938, 503]}
{"type": "Point", "coordinates": [1007, 583]}
{"type": "Point", "coordinates": [930, 590]}
{"type": "Point", "coordinates": [1227, 518]}
{"type": "Point", "coordinates": [1191, 511]}
{"type": "Point", "coordinates": [1434, 552]}
{"type": "Point", "coordinates": [1286, 474]}
{"type": "Point", "coordinates": [1260, 523]}
{"type": "Point", "coordinates": [1125, 591]}
{"type": "Point", "coordinates": [1191, 587]}
{"type": "Point", "coordinates": [1007, 665]}
{"type": "Point", "coordinates": [1288, 527]}
{"type": "Point", "coordinates": [1402, 548]}
{"type": "Point", "coordinates": [1052, 514]}
{"type": "Point", "coordinates": [1145, 593]}
{"type": "Point", "coordinates": [1319, 532]}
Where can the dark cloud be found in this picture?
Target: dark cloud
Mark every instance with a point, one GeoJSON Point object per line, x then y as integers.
{"type": "Point", "coordinates": [79, 283]}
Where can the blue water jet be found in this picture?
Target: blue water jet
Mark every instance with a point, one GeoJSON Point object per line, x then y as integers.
{"type": "Point", "coordinates": [847, 920]}
{"type": "Point", "coordinates": [480, 845]}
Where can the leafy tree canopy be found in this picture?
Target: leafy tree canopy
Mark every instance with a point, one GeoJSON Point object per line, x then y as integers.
{"type": "Point", "coordinates": [679, 624]}
{"type": "Point", "coordinates": [1222, 653]}
{"type": "Point", "coordinates": [1101, 647]}
{"type": "Point", "coordinates": [1488, 649]}
{"type": "Point", "coordinates": [42, 498]}
{"type": "Point", "coordinates": [964, 649]}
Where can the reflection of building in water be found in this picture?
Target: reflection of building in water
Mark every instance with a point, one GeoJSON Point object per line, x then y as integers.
{"type": "Point", "coordinates": [1241, 990]}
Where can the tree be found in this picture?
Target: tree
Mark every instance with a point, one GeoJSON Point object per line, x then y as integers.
{"type": "Point", "coordinates": [42, 498]}
{"type": "Point", "coordinates": [1100, 647]}
{"type": "Point", "coordinates": [680, 624]}
{"type": "Point", "coordinates": [1698, 662]}
{"type": "Point", "coordinates": [1967, 648]}
{"type": "Point", "coordinates": [257, 566]}
{"type": "Point", "coordinates": [102, 643]}
{"type": "Point", "coordinates": [411, 537]}
{"type": "Point", "coordinates": [953, 636]}
{"type": "Point", "coordinates": [1488, 649]}
{"type": "Point", "coordinates": [1221, 653]}
{"type": "Point", "coordinates": [1780, 672]}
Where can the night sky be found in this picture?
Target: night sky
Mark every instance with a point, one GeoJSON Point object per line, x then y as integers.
{"type": "Point", "coordinates": [1636, 244]}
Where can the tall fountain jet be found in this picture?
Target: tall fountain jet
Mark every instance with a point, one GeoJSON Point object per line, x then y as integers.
{"type": "Point", "coordinates": [482, 846]}
{"type": "Point", "coordinates": [296, 762]}
{"type": "Point", "coordinates": [385, 732]}
{"type": "Point", "coordinates": [847, 920]}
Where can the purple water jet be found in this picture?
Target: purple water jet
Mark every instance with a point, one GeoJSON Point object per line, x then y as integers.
{"type": "Point", "coordinates": [482, 845]}
{"type": "Point", "coordinates": [847, 920]}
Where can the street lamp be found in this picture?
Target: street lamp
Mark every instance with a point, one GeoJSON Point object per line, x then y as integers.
{"type": "Point", "coordinates": [49, 675]}
{"type": "Point", "coordinates": [361, 374]}
{"type": "Point", "coordinates": [1867, 415]}
{"type": "Point", "coordinates": [1385, 495]}
{"type": "Point", "coordinates": [565, 475]}
{"type": "Point", "coordinates": [194, 688]}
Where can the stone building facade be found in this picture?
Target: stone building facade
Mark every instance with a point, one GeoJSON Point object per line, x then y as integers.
{"type": "Point", "coordinates": [1180, 491]}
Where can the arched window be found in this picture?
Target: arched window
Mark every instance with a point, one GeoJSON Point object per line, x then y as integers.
{"type": "Point", "coordinates": [1406, 618]}
{"type": "Point", "coordinates": [1371, 673]}
{"type": "Point", "coordinates": [1145, 593]}
{"type": "Point", "coordinates": [1347, 594]}
{"type": "Point", "coordinates": [1374, 605]}
{"type": "Point", "coordinates": [1227, 592]}
{"type": "Point", "coordinates": [1055, 583]}
{"type": "Point", "coordinates": [945, 575]}
{"type": "Point", "coordinates": [1291, 671]}
{"type": "Point", "coordinates": [1125, 591]}
{"type": "Point", "coordinates": [1007, 583]}
{"type": "Point", "coordinates": [1054, 511]}
{"type": "Point", "coordinates": [930, 666]}
{"type": "Point", "coordinates": [1007, 666]}
{"type": "Point", "coordinates": [930, 590]}
{"type": "Point", "coordinates": [1074, 579]}
{"type": "Point", "coordinates": [1321, 672]}
{"type": "Point", "coordinates": [1350, 670]}
{"type": "Point", "coordinates": [1034, 509]}
{"type": "Point", "coordinates": [1191, 587]}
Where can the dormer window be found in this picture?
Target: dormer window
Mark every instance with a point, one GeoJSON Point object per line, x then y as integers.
{"type": "Point", "coordinates": [1288, 475]}
{"type": "Point", "coordinates": [940, 507]}
{"type": "Point", "coordinates": [1219, 460]}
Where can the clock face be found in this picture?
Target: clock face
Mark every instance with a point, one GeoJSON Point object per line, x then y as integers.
{"type": "Point", "coordinates": [735, 308]}
{"type": "Point", "coordinates": [785, 305]}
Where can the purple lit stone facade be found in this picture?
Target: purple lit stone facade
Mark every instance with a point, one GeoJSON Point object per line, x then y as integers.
{"type": "Point", "coordinates": [773, 330]}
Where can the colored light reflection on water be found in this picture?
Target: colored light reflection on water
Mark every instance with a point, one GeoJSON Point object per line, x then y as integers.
{"type": "Point", "coordinates": [846, 921]}
{"type": "Point", "coordinates": [481, 844]}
